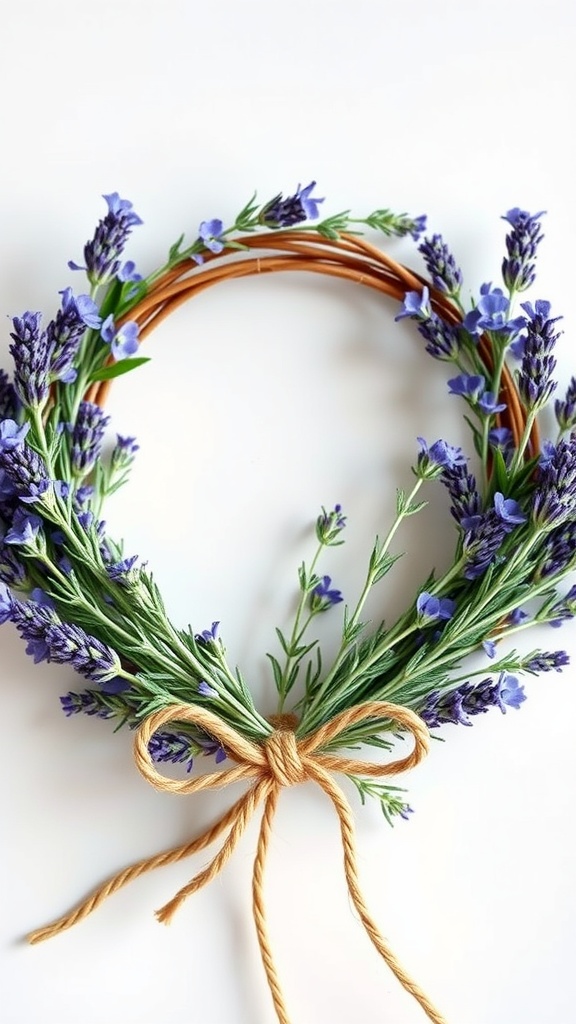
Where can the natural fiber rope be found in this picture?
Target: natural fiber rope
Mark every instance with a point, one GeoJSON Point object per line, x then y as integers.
{"type": "Point", "coordinates": [283, 760]}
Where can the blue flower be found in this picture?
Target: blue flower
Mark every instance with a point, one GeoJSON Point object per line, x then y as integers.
{"type": "Point", "coordinates": [516, 617]}
{"type": "Point", "coordinates": [123, 340]}
{"type": "Point", "coordinates": [490, 313]}
{"type": "Point", "coordinates": [436, 458]}
{"type": "Point", "coordinates": [508, 510]}
{"type": "Point", "coordinates": [25, 528]}
{"type": "Point", "coordinates": [128, 272]}
{"type": "Point", "coordinates": [205, 690]}
{"type": "Point", "coordinates": [208, 635]}
{"type": "Point", "coordinates": [83, 306]}
{"type": "Point", "coordinates": [488, 403]}
{"type": "Point", "coordinates": [502, 438]}
{"type": "Point", "coordinates": [210, 232]}
{"type": "Point", "coordinates": [431, 608]}
{"type": "Point", "coordinates": [510, 693]}
{"type": "Point", "coordinates": [416, 304]}
{"type": "Point", "coordinates": [111, 686]}
{"type": "Point", "coordinates": [323, 595]}
{"type": "Point", "coordinates": [489, 647]}
{"type": "Point", "coordinates": [466, 385]}
{"type": "Point", "coordinates": [12, 435]}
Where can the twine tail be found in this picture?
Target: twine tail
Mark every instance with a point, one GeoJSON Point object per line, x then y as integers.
{"type": "Point", "coordinates": [127, 875]}
{"type": "Point", "coordinates": [259, 907]}
{"type": "Point", "coordinates": [346, 820]}
{"type": "Point", "coordinates": [243, 811]}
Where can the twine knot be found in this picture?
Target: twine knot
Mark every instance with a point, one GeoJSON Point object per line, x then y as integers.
{"type": "Point", "coordinates": [282, 760]}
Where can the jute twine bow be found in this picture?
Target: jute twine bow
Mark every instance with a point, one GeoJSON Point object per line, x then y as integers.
{"type": "Point", "coordinates": [283, 760]}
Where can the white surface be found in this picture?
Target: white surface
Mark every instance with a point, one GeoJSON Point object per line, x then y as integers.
{"type": "Point", "coordinates": [265, 400]}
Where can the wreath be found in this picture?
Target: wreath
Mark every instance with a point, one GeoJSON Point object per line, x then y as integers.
{"type": "Point", "coordinates": [77, 598]}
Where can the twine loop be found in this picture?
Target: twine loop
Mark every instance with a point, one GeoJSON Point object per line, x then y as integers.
{"type": "Point", "coordinates": [284, 759]}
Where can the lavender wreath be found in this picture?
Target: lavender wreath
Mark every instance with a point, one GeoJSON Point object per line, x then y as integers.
{"type": "Point", "coordinates": [77, 599]}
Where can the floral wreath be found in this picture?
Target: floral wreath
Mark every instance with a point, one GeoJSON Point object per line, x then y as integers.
{"type": "Point", "coordinates": [76, 598]}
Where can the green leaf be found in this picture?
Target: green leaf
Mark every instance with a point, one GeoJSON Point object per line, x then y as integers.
{"type": "Point", "coordinates": [174, 250]}
{"type": "Point", "coordinates": [118, 369]}
{"type": "Point", "coordinates": [500, 479]}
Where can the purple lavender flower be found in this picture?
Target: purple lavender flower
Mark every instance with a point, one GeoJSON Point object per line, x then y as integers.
{"type": "Point", "coordinates": [546, 661]}
{"type": "Point", "coordinates": [210, 747]}
{"type": "Point", "coordinates": [70, 644]}
{"type": "Point", "coordinates": [323, 596]}
{"type": "Point", "coordinates": [466, 501]}
{"type": "Point", "coordinates": [284, 213]}
{"type": "Point", "coordinates": [12, 571]}
{"type": "Point", "coordinates": [329, 525]}
{"type": "Point", "coordinates": [443, 340]}
{"type": "Point", "coordinates": [482, 542]}
{"type": "Point", "coordinates": [12, 435]}
{"type": "Point", "coordinates": [25, 529]}
{"type": "Point", "coordinates": [123, 340]}
{"type": "Point", "coordinates": [26, 471]}
{"type": "Point", "coordinates": [31, 354]}
{"type": "Point", "coordinates": [559, 549]}
{"type": "Point", "coordinates": [5, 603]}
{"type": "Point", "coordinates": [435, 459]}
{"type": "Point", "coordinates": [9, 402]}
{"type": "Point", "coordinates": [417, 305]}
{"type": "Point", "coordinates": [32, 620]}
{"type": "Point", "coordinates": [86, 703]}
{"type": "Point", "coordinates": [555, 494]}
{"type": "Point", "coordinates": [564, 609]}
{"type": "Point", "coordinates": [208, 636]}
{"type": "Point", "coordinates": [521, 245]}
{"type": "Point", "coordinates": [103, 251]}
{"type": "Point", "coordinates": [205, 690]}
{"type": "Point", "coordinates": [171, 747]}
{"type": "Point", "coordinates": [566, 410]}
{"type": "Point", "coordinates": [65, 332]}
{"type": "Point", "coordinates": [442, 267]}
{"type": "Point", "coordinates": [123, 452]}
{"type": "Point", "coordinates": [490, 313]}
{"type": "Point", "coordinates": [122, 572]}
{"type": "Point", "coordinates": [538, 364]}
{"type": "Point", "coordinates": [87, 437]}
{"type": "Point", "coordinates": [431, 608]}
{"type": "Point", "coordinates": [455, 705]}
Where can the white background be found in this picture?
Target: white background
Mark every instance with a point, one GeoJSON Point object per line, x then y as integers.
{"type": "Point", "coordinates": [264, 400]}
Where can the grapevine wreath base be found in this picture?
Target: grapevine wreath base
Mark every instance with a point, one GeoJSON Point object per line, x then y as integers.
{"type": "Point", "coordinates": [76, 599]}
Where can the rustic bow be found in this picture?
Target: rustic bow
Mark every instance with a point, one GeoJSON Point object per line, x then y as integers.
{"type": "Point", "coordinates": [282, 760]}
